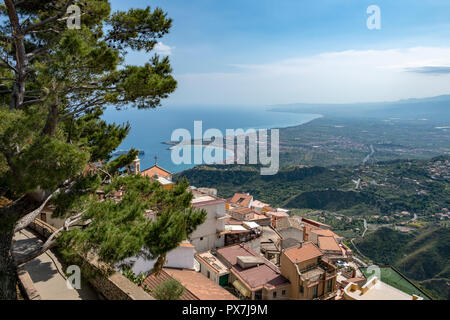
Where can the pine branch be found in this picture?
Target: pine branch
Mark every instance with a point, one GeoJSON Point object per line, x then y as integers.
{"type": "Point", "coordinates": [48, 20]}
{"type": "Point", "coordinates": [51, 241]}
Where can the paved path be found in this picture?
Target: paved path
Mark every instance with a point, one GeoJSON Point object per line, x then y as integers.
{"type": "Point", "coordinates": [365, 228]}
{"type": "Point", "coordinates": [47, 273]}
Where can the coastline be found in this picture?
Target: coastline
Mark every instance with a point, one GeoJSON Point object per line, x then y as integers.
{"type": "Point", "coordinates": [180, 144]}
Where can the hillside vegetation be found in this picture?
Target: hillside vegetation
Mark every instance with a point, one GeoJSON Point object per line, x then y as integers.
{"type": "Point", "coordinates": [423, 256]}
{"type": "Point", "coordinates": [385, 188]}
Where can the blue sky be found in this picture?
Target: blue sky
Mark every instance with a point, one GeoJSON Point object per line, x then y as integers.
{"type": "Point", "coordinates": [263, 52]}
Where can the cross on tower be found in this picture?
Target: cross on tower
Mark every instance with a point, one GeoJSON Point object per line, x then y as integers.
{"type": "Point", "coordinates": [156, 160]}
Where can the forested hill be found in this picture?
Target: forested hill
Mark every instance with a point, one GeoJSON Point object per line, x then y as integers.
{"type": "Point", "coordinates": [384, 188]}
{"type": "Point", "coordinates": [422, 255]}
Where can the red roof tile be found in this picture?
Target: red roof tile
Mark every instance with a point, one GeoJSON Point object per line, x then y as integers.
{"type": "Point", "coordinates": [199, 285]}
{"type": "Point", "coordinates": [328, 244]}
{"type": "Point", "coordinates": [266, 274]}
{"type": "Point", "coordinates": [241, 199]}
{"type": "Point", "coordinates": [304, 252]}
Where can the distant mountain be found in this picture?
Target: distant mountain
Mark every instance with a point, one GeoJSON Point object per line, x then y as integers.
{"type": "Point", "coordinates": [433, 108]}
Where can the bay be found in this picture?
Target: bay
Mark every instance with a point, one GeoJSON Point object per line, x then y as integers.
{"type": "Point", "coordinates": [151, 128]}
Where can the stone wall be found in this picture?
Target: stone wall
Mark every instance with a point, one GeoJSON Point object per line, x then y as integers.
{"type": "Point", "coordinates": [27, 285]}
{"type": "Point", "coordinates": [114, 287]}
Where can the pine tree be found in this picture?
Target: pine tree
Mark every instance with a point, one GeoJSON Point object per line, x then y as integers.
{"type": "Point", "coordinates": [55, 83]}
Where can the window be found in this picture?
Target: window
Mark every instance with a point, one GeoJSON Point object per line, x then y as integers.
{"type": "Point", "coordinates": [301, 289]}
{"type": "Point", "coordinates": [209, 274]}
{"type": "Point", "coordinates": [274, 294]}
{"type": "Point", "coordinates": [283, 293]}
{"type": "Point", "coordinates": [201, 238]}
{"type": "Point", "coordinates": [330, 283]}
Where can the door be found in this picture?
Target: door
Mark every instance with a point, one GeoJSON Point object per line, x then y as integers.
{"type": "Point", "coordinates": [223, 280]}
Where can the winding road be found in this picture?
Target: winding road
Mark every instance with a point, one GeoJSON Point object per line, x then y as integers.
{"type": "Point", "coordinates": [372, 151]}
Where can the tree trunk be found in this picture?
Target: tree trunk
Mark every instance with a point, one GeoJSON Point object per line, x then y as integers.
{"type": "Point", "coordinates": [9, 215]}
{"type": "Point", "coordinates": [18, 93]}
{"type": "Point", "coordinates": [8, 272]}
{"type": "Point", "coordinates": [52, 120]}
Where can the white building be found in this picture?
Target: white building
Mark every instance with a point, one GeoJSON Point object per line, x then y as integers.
{"type": "Point", "coordinates": [210, 234]}
{"type": "Point", "coordinates": [182, 257]}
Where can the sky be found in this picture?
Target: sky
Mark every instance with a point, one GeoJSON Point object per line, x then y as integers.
{"type": "Point", "coordinates": [268, 52]}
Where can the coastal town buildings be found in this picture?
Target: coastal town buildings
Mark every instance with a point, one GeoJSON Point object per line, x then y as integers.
{"type": "Point", "coordinates": [248, 250]}
{"type": "Point", "coordinates": [212, 268]}
{"type": "Point", "coordinates": [210, 234]}
{"type": "Point", "coordinates": [310, 275]}
{"type": "Point", "coordinates": [243, 200]}
{"type": "Point", "coordinates": [252, 276]}
{"type": "Point", "coordinates": [163, 176]}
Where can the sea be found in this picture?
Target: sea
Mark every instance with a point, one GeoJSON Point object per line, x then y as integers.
{"type": "Point", "coordinates": [152, 129]}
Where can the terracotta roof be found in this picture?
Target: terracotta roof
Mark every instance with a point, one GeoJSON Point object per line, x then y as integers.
{"type": "Point", "coordinates": [152, 282]}
{"type": "Point", "coordinates": [259, 204]}
{"type": "Point", "coordinates": [325, 233]}
{"type": "Point", "coordinates": [328, 244]}
{"type": "Point", "coordinates": [258, 216]}
{"type": "Point", "coordinates": [232, 221]}
{"type": "Point", "coordinates": [241, 199]}
{"type": "Point", "coordinates": [155, 170]}
{"type": "Point", "coordinates": [243, 210]}
{"type": "Point", "coordinates": [259, 276]}
{"type": "Point", "coordinates": [199, 285]}
{"type": "Point", "coordinates": [266, 274]}
{"type": "Point", "coordinates": [315, 223]}
{"type": "Point", "coordinates": [278, 214]}
{"type": "Point", "coordinates": [304, 252]}
{"type": "Point", "coordinates": [186, 244]}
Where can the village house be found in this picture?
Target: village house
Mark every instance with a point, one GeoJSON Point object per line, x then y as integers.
{"type": "Point", "coordinates": [259, 206]}
{"type": "Point", "coordinates": [253, 276]}
{"type": "Point", "coordinates": [243, 200]}
{"type": "Point", "coordinates": [212, 268]}
{"type": "Point", "coordinates": [182, 257]}
{"type": "Point", "coordinates": [247, 214]}
{"type": "Point", "coordinates": [291, 228]}
{"type": "Point", "coordinates": [276, 216]}
{"type": "Point", "coordinates": [211, 233]}
{"type": "Point", "coordinates": [311, 276]}
{"type": "Point", "coordinates": [163, 176]}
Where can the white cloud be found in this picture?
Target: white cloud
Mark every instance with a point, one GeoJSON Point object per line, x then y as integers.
{"type": "Point", "coordinates": [163, 49]}
{"type": "Point", "coordinates": [331, 77]}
